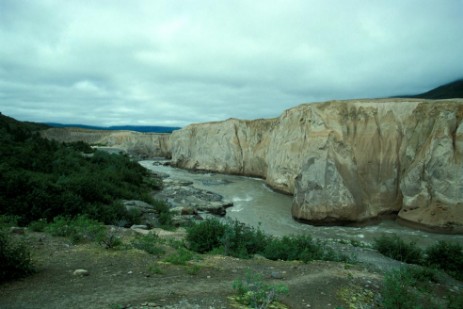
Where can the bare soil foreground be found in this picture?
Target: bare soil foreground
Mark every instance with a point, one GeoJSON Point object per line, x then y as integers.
{"type": "Point", "coordinates": [132, 278]}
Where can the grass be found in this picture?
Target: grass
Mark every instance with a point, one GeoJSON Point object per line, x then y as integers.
{"type": "Point", "coordinates": [180, 257]}
{"type": "Point", "coordinates": [149, 243]}
{"type": "Point", "coordinates": [253, 292]}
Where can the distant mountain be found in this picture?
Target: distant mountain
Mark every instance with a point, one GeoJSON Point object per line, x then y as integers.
{"type": "Point", "coordinates": [13, 124]}
{"type": "Point", "coordinates": [145, 129]}
{"type": "Point", "coordinates": [448, 91]}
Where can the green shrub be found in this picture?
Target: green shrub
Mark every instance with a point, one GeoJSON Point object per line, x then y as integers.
{"type": "Point", "coordinates": [396, 292]}
{"type": "Point", "coordinates": [8, 221]}
{"type": "Point", "coordinates": [180, 257]}
{"type": "Point", "coordinates": [302, 248]}
{"type": "Point", "coordinates": [44, 179]}
{"type": "Point", "coordinates": [164, 214]}
{"type": "Point", "coordinates": [410, 287]}
{"type": "Point", "coordinates": [109, 239]}
{"type": "Point", "coordinates": [396, 248]}
{"type": "Point", "coordinates": [254, 293]}
{"type": "Point", "coordinates": [15, 258]}
{"type": "Point", "coordinates": [206, 235]}
{"type": "Point", "coordinates": [149, 243]}
{"type": "Point", "coordinates": [446, 256]}
{"type": "Point", "coordinates": [455, 301]}
{"type": "Point", "coordinates": [240, 240]}
{"type": "Point", "coordinates": [78, 230]}
{"type": "Point", "coordinates": [39, 225]}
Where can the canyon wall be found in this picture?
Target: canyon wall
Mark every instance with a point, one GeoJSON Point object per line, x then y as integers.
{"type": "Point", "coordinates": [345, 161]}
{"type": "Point", "coordinates": [137, 144]}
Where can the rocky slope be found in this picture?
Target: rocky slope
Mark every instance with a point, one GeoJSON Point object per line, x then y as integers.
{"type": "Point", "coordinates": [139, 145]}
{"type": "Point", "coordinates": [345, 161]}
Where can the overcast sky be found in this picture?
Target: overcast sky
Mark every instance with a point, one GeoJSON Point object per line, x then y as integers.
{"type": "Point", "coordinates": [173, 63]}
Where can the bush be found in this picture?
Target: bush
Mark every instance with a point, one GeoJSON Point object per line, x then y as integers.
{"type": "Point", "coordinates": [242, 241]}
{"type": "Point", "coordinates": [206, 235]}
{"type": "Point", "coordinates": [79, 229]}
{"type": "Point", "coordinates": [164, 214]}
{"type": "Point", "coordinates": [396, 248]}
{"type": "Point", "coordinates": [149, 243]}
{"type": "Point", "coordinates": [15, 258]}
{"type": "Point", "coordinates": [293, 248]}
{"type": "Point", "coordinates": [110, 240]}
{"type": "Point", "coordinates": [409, 287]}
{"type": "Point", "coordinates": [238, 240]}
{"type": "Point", "coordinates": [396, 292]}
{"type": "Point", "coordinates": [39, 225]}
{"type": "Point", "coordinates": [8, 221]}
{"type": "Point", "coordinates": [446, 256]}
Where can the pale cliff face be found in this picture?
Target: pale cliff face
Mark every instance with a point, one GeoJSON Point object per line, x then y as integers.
{"type": "Point", "coordinates": [346, 160]}
{"type": "Point", "coordinates": [142, 145]}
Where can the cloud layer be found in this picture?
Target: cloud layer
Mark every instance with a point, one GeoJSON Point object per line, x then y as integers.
{"type": "Point", "coordinates": [178, 62]}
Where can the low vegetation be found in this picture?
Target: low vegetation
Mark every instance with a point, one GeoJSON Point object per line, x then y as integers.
{"type": "Point", "coordinates": [444, 256]}
{"type": "Point", "coordinates": [394, 247]}
{"type": "Point", "coordinates": [43, 179]}
{"type": "Point", "coordinates": [415, 287]}
{"type": "Point", "coordinates": [238, 240]}
{"type": "Point", "coordinates": [253, 292]}
{"type": "Point", "coordinates": [15, 258]}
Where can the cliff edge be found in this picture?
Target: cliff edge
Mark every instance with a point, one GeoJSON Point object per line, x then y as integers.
{"type": "Point", "coordinates": [345, 161]}
{"type": "Point", "coordinates": [137, 144]}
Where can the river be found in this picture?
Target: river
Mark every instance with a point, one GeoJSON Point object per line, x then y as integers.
{"type": "Point", "coordinates": [255, 204]}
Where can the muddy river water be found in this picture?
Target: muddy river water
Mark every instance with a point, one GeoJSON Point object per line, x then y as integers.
{"type": "Point", "coordinates": [256, 204]}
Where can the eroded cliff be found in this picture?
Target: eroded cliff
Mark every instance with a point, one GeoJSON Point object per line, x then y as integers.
{"type": "Point", "coordinates": [345, 161]}
{"type": "Point", "coordinates": [140, 145]}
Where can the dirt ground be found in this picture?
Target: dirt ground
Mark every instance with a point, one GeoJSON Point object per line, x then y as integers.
{"type": "Point", "coordinates": [131, 278]}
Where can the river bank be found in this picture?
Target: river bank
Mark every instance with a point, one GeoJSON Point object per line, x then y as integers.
{"type": "Point", "coordinates": [255, 204]}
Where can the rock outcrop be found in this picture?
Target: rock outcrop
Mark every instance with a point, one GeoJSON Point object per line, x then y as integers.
{"type": "Point", "coordinates": [137, 144]}
{"type": "Point", "coordinates": [345, 161]}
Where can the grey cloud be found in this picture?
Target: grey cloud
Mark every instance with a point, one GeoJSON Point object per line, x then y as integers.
{"type": "Point", "coordinates": [165, 62]}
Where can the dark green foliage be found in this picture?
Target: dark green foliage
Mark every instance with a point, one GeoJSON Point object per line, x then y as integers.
{"type": "Point", "coordinates": [15, 258]}
{"type": "Point", "coordinates": [456, 301]}
{"type": "Point", "coordinates": [164, 214]}
{"type": "Point", "coordinates": [81, 146]}
{"type": "Point", "coordinates": [78, 229]}
{"type": "Point", "coordinates": [238, 240]}
{"type": "Point", "coordinates": [411, 287]}
{"type": "Point", "coordinates": [396, 293]}
{"type": "Point", "coordinates": [294, 248]}
{"type": "Point", "coordinates": [396, 248]}
{"type": "Point", "coordinates": [205, 236]}
{"type": "Point", "coordinates": [38, 226]}
{"type": "Point", "coordinates": [44, 179]}
{"type": "Point", "coordinates": [448, 257]}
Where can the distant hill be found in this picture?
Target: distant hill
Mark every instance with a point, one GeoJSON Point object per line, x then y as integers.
{"type": "Point", "coordinates": [13, 124]}
{"type": "Point", "coordinates": [448, 91]}
{"type": "Point", "coordinates": [145, 129]}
